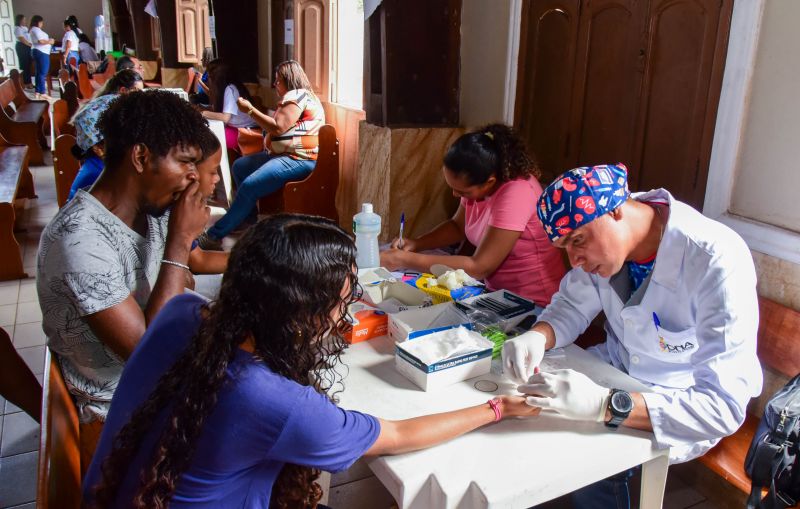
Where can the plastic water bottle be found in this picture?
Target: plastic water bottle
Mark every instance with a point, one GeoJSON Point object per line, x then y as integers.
{"type": "Point", "coordinates": [367, 227]}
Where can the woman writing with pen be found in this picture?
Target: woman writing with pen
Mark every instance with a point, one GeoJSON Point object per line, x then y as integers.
{"type": "Point", "coordinates": [496, 180]}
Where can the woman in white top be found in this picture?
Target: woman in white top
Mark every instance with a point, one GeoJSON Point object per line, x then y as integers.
{"type": "Point", "coordinates": [69, 44]}
{"type": "Point", "coordinates": [226, 89]}
{"type": "Point", "coordinates": [23, 48]}
{"type": "Point", "coordinates": [41, 52]}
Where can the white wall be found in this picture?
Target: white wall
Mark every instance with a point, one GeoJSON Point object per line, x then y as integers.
{"type": "Point", "coordinates": [765, 188]}
{"type": "Point", "coordinates": [487, 57]}
{"type": "Point", "coordinates": [55, 12]}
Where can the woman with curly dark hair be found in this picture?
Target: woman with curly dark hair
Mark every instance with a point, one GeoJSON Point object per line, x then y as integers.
{"type": "Point", "coordinates": [223, 404]}
{"type": "Point", "coordinates": [496, 179]}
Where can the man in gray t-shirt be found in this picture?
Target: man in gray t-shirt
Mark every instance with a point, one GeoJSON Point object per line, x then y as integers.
{"type": "Point", "coordinates": [89, 261]}
{"type": "Point", "coordinates": [112, 257]}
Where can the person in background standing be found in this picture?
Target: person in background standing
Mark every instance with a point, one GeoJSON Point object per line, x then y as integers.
{"type": "Point", "coordinates": [69, 43]}
{"type": "Point", "coordinates": [42, 43]}
{"type": "Point", "coordinates": [23, 48]}
{"type": "Point", "coordinates": [72, 20]}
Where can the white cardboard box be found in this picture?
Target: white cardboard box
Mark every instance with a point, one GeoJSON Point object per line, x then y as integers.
{"type": "Point", "coordinates": [445, 372]}
{"type": "Point", "coordinates": [421, 322]}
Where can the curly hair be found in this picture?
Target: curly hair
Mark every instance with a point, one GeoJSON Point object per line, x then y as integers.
{"type": "Point", "coordinates": [158, 119]}
{"type": "Point", "coordinates": [493, 150]}
{"type": "Point", "coordinates": [264, 296]}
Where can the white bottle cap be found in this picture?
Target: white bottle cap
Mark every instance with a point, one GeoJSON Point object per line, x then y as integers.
{"type": "Point", "coordinates": [366, 207]}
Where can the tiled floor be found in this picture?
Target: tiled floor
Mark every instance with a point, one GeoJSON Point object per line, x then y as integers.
{"type": "Point", "coordinates": [21, 317]}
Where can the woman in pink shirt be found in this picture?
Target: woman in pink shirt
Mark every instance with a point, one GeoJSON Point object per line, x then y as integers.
{"type": "Point", "coordinates": [496, 180]}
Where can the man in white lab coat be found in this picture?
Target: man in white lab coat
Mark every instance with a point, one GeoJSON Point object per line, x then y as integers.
{"type": "Point", "coordinates": [679, 293]}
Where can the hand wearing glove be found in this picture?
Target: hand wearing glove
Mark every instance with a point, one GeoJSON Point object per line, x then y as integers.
{"type": "Point", "coordinates": [569, 393]}
{"type": "Point", "coordinates": [523, 354]}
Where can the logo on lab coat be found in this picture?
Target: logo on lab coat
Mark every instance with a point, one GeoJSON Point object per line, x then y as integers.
{"type": "Point", "coordinates": [666, 347]}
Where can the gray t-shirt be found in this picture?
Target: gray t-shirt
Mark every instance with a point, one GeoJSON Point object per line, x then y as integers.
{"type": "Point", "coordinates": [89, 260]}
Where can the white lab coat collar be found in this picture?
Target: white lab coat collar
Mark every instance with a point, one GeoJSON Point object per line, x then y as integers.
{"type": "Point", "coordinates": [672, 247]}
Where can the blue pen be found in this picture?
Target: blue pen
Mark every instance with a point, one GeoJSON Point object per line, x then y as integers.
{"type": "Point", "coordinates": [402, 226]}
{"type": "Point", "coordinates": [656, 320]}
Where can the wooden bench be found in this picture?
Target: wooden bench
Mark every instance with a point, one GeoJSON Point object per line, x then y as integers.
{"type": "Point", "coordinates": [111, 69]}
{"type": "Point", "coordinates": [85, 87]}
{"type": "Point", "coordinates": [65, 167]}
{"type": "Point", "coordinates": [59, 483]}
{"type": "Point", "coordinates": [316, 194]}
{"type": "Point", "coordinates": [23, 124]}
{"type": "Point", "coordinates": [16, 182]}
{"type": "Point", "coordinates": [779, 354]}
{"type": "Point", "coordinates": [52, 72]}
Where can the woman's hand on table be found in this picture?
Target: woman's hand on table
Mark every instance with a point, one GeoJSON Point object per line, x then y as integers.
{"type": "Point", "coordinates": [393, 259]}
{"type": "Point", "coordinates": [408, 244]}
{"type": "Point", "coordinates": [244, 105]}
{"type": "Point", "coordinates": [516, 406]}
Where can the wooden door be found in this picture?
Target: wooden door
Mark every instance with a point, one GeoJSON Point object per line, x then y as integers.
{"type": "Point", "coordinates": [608, 76]}
{"type": "Point", "coordinates": [8, 42]}
{"type": "Point", "coordinates": [645, 78]}
{"type": "Point", "coordinates": [192, 30]}
{"type": "Point", "coordinates": [688, 41]}
{"type": "Point", "coordinates": [312, 39]}
{"type": "Point", "coordinates": [545, 79]}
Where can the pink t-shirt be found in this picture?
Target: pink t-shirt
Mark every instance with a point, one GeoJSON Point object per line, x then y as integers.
{"type": "Point", "coordinates": [533, 268]}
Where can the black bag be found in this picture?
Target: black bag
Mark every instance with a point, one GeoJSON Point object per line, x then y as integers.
{"type": "Point", "coordinates": [773, 460]}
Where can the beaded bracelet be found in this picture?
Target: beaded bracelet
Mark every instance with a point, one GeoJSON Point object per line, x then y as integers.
{"type": "Point", "coordinates": [495, 404]}
{"type": "Point", "coordinates": [177, 264]}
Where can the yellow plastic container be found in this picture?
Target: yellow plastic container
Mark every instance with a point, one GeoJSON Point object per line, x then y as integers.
{"type": "Point", "coordinates": [440, 294]}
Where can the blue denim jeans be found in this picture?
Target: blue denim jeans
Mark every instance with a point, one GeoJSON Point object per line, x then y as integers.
{"type": "Point", "coordinates": [610, 493]}
{"type": "Point", "coordinates": [258, 175]}
{"type": "Point", "coordinates": [42, 62]}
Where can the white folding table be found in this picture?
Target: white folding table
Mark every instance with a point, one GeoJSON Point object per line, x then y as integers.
{"type": "Point", "coordinates": [516, 463]}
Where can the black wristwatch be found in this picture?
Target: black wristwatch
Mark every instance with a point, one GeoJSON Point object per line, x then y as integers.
{"type": "Point", "coordinates": [620, 404]}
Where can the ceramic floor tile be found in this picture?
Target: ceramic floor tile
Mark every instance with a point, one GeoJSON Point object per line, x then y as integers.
{"type": "Point", "coordinates": [20, 434]}
{"type": "Point", "coordinates": [8, 313]}
{"type": "Point", "coordinates": [18, 479]}
{"type": "Point", "coordinates": [34, 358]}
{"type": "Point", "coordinates": [9, 293]}
{"type": "Point", "coordinates": [29, 334]}
{"type": "Point", "coordinates": [28, 312]}
{"type": "Point", "coordinates": [27, 291]}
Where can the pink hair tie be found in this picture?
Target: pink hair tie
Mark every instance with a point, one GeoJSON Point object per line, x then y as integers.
{"type": "Point", "coordinates": [495, 404]}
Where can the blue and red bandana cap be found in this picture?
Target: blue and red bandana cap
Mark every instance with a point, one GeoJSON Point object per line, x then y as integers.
{"type": "Point", "coordinates": [580, 196]}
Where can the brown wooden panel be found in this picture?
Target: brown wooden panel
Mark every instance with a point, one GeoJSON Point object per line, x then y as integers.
{"type": "Point", "coordinates": [142, 30]}
{"type": "Point", "coordinates": [419, 58]}
{"type": "Point", "coordinates": [123, 24]}
{"type": "Point", "coordinates": [779, 337]}
{"type": "Point", "coordinates": [687, 48]}
{"type": "Point", "coordinates": [311, 36]}
{"type": "Point", "coordinates": [608, 81]}
{"type": "Point", "coordinates": [237, 36]}
{"type": "Point", "coordinates": [59, 482]}
{"type": "Point", "coordinates": [345, 120]}
{"type": "Point", "coordinates": [545, 79]}
{"type": "Point", "coordinates": [186, 12]}
{"type": "Point", "coordinates": [65, 167]}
